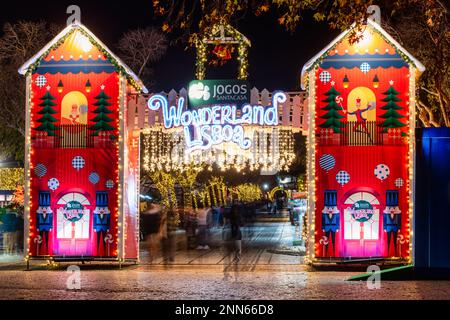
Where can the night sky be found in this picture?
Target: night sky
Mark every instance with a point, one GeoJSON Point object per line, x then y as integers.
{"type": "Point", "coordinates": [275, 58]}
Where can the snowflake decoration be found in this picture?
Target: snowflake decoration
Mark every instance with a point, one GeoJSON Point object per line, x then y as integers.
{"type": "Point", "coordinates": [381, 171]}
{"type": "Point", "coordinates": [342, 177]}
{"type": "Point", "coordinates": [365, 67]}
{"type": "Point", "coordinates": [53, 184]}
{"type": "Point", "coordinates": [78, 162]}
{"type": "Point", "coordinates": [94, 178]}
{"type": "Point", "coordinates": [327, 162]}
{"type": "Point", "coordinates": [399, 182]}
{"type": "Point", "coordinates": [40, 170]}
{"type": "Point", "coordinates": [40, 81]}
{"type": "Point", "coordinates": [325, 76]}
{"type": "Point", "coordinates": [109, 184]}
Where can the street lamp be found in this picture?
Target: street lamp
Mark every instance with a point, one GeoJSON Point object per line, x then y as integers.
{"type": "Point", "coordinates": [345, 82]}
{"type": "Point", "coordinates": [376, 82]}
{"type": "Point", "coordinates": [60, 86]}
{"type": "Point", "coordinates": [88, 86]}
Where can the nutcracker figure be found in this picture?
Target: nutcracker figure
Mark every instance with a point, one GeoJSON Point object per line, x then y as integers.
{"type": "Point", "coordinates": [102, 218]}
{"type": "Point", "coordinates": [330, 218]}
{"type": "Point", "coordinates": [44, 217]}
{"type": "Point", "coordinates": [392, 219]}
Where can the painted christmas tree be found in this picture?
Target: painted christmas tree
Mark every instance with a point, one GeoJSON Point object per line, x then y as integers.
{"type": "Point", "coordinates": [332, 116]}
{"type": "Point", "coordinates": [47, 120]}
{"type": "Point", "coordinates": [102, 120]}
{"type": "Point", "coordinates": [391, 115]}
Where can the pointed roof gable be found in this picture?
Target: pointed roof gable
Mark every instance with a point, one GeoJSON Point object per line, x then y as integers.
{"type": "Point", "coordinates": [224, 33]}
{"type": "Point", "coordinates": [34, 61]}
{"type": "Point", "coordinates": [371, 24]}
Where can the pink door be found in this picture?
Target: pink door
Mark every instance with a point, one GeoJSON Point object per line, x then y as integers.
{"type": "Point", "coordinates": [361, 226]}
{"type": "Point", "coordinates": [73, 226]}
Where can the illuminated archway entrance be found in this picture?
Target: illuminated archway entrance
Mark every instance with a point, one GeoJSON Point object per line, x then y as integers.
{"type": "Point", "coordinates": [73, 221]}
{"type": "Point", "coordinates": [362, 225]}
{"type": "Point", "coordinates": [193, 162]}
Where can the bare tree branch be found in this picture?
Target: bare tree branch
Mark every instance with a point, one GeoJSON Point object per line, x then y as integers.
{"type": "Point", "coordinates": [427, 115]}
{"type": "Point", "coordinates": [429, 91]}
{"type": "Point", "coordinates": [18, 42]}
{"type": "Point", "coordinates": [140, 47]}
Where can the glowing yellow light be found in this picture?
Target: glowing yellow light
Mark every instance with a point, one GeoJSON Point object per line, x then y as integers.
{"type": "Point", "coordinates": [82, 42]}
{"type": "Point", "coordinates": [60, 86]}
{"type": "Point", "coordinates": [88, 86]}
{"type": "Point", "coordinates": [365, 40]}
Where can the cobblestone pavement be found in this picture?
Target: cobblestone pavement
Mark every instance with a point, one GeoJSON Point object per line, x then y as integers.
{"type": "Point", "coordinates": [150, 282]}
{"type": "Point", "coordinates": [200, 274]}
{"type": "Point", "coordinates": [259, 239]}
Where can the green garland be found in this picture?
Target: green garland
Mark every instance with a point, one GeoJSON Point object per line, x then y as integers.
{"type": "Point", "coordinates": [320, 59]}
{"type": "Point", "coordinates": [32, 68]}
{"type": "Point", "coordinates": [201, 48]}
{"type": "Point", "coordinates": [111, 59]}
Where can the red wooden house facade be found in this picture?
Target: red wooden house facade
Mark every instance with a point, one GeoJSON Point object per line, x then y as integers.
{"type": "Point", "coordinates": [82, 171]}
{"type": "Point", "coordinates": [360, 147]}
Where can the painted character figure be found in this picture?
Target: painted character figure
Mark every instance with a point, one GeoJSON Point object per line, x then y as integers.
{"type": "Point", "coordinates": [44, 218]}
{"type": "Point", "coordinates": [360, 120]}
{"type": "Point", "coordinates": [330, 218]}
{"type": "Point", "coordinates": [102, 219]}
{"type": "Point", "coordinates": [392, 219]}
{"type": "Point", "coordinates": [74, 114]}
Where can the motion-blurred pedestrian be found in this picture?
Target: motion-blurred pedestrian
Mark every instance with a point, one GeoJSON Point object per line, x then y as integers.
{"type": "Point", "coordinates": [204, 219]}
{"type": "Point", "coordinates": [151, 223]}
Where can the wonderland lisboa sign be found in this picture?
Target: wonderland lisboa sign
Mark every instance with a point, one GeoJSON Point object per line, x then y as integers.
{"type": "Point", "coordinates": [218, 123]}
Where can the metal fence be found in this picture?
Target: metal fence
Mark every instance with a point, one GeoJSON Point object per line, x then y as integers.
{"type": "Point", "coordinates": [369, 133]}
{"type": "Point", "coordinates": [74, 136]}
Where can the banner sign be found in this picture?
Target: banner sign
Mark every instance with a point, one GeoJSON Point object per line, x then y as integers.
{"type": "Point", "coordinates": [73, 211]}
{"type": "Point", "coordinates": [212, 92]}
{"type": "Point", "coordinates": [361, 211]}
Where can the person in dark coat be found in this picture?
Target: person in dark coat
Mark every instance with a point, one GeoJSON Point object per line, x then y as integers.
{"type": "Point", "coordinates": [232, 236]}
{"type": "Point", "coordinates": [168, 229]}
{"type": "Point", "coordinates": [151, 221]}
{"type": "Point", "coordinates": [235, 234]}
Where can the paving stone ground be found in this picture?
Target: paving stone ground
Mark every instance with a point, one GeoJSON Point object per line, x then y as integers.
{"type": "Point", "coordinates": [206, 274]}
{"type": "Point", "coordinates": [149, 282]}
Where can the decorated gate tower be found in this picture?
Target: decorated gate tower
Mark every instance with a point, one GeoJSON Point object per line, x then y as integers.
{"type": "Point", "coordinates": [360, 147]}
{"type": "Point", "coordinates": [82, 167]}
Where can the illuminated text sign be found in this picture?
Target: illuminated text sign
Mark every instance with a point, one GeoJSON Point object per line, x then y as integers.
{"type": "Point", "coordinates": [213, 92]}
{"type": "Point", "coordinates": [214, 125]}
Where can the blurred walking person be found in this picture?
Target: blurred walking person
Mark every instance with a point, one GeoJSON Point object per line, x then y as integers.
{"type": "Point", "coordinates": [169, 225]}
{"type": "Point", "coordinates": [151, 220]}
{"type": "Point", "coordinates": [204, 222]}
{"type": "Point", "coordinates": [232, 237]}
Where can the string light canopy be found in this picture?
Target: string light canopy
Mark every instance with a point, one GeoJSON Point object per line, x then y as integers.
{"type": "Point", "coordinates": [272, 150]}
{"type": "Point", "coordinates": [225, 39]}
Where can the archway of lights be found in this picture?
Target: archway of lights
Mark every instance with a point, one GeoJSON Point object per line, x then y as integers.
{"type": "Point", "coordinates": [272, 150]}
{"type": "Point", "coordinates": [255, 136]}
